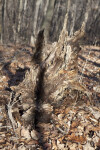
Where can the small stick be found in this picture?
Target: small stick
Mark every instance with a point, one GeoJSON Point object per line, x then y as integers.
{"type": "Point", "coordinates": [12, 102]}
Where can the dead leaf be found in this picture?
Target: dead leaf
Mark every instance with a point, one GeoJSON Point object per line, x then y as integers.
{"type": "Point", "coordinates": [98, 144]}
{"type": "Point", "coordinates": [25, 133]}
{"type": "Point", "coordinates": [67, 110]}
{"type": "Point", "coordinates": [31, 142]}
{"type": "Point", "coordinates": [54, 145]}
{"type": "Point", "coordinates": [34, 134]}
{"type": "Point", "coordinates": [60, 139]}
{"type": "Point", "coordinates": [77, 139]}
{"type": "Point", "coordinates": [22, 147]}
{"type": "Point", "coordinates": [59, 145]}
{"type": "Point", "coordinates": [2, 141]}
{"type": "Point", "coordinates": [75, 124]}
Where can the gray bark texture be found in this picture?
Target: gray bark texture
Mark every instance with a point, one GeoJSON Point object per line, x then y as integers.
{"type": "Point", "coordinates": [21, 20]}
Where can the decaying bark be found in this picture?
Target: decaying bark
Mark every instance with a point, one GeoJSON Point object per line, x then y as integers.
{"type": "Point", "coordinates": [56, 67]}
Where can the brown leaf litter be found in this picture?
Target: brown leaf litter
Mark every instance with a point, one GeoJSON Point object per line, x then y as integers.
{"type": "Point", "coordinates": [72, 126]}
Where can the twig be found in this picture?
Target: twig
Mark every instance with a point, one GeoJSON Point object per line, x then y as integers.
{"type": "Point", "coordinates": [62, 131]}
{"type": "Point", "coordinates": [80, 80]}
{"type": "Point", "coordinates": [11, 116]}
{"type": "Point", "coordinates": [12, 102]}
{"type": "Point", "coordinates": [5, 127]}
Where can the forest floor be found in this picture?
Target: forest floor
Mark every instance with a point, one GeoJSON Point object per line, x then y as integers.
{"type": "Point", "coordinates": [75, 125]}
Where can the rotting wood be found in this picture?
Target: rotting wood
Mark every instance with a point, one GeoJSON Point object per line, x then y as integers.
{"type": "Point", "coordinates": [59, 60]}
{"type": "Point", "coordinates": [53, 73]}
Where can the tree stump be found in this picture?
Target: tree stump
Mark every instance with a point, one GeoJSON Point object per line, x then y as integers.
{"type": "Point", "coordinates": [57, 66]}
{"type": "Point", "coordinates": [53, 76]}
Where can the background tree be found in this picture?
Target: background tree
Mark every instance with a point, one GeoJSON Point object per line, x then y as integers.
{"type": "Point", "coordinates": [20, 21]}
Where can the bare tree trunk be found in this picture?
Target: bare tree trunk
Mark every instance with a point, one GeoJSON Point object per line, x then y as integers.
{"type": "Point", "coordinates": [20, 20]}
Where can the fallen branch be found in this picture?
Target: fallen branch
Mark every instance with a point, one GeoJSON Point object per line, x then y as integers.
{"type": "Point", "coordinates": [5, 127]}
{"type": "Point", "coordinates": [12, 102]}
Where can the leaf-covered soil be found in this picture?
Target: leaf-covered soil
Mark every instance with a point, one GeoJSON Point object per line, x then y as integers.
{"type": "Point", "coordinates": [73, 125]}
